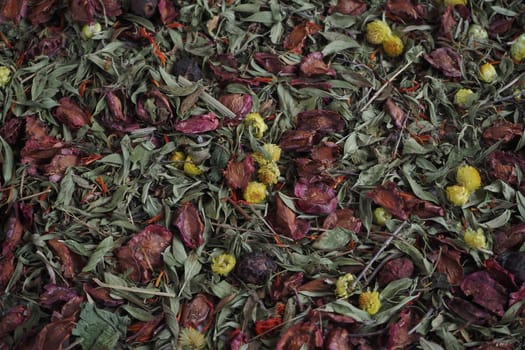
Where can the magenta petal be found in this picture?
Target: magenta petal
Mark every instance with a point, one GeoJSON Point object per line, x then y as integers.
{"type": "Point", "coordinates": [198, 124]}
{"type": "Point", "coordinates": [485, 291]}
{"type": "Point", "coordinates": [315, 198]}
{"type": "Point", "coordinates": [190, 225]}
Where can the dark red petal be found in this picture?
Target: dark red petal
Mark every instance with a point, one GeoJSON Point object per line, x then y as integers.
{"type": "Point", "coordinates": [190, 225]}
{"type": "Point", "coordinates": [198, 124]}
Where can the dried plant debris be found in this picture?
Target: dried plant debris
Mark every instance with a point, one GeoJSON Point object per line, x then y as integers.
{"type": "Point", "coordinates": [267, 174]}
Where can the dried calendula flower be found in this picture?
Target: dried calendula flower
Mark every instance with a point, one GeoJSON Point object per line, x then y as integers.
{"type": "Point", "coordinates": [369, 302]}
{"type": "Point", "coordinates": [177, 157]}
{"type": "Point", "coordinates": [255, 192]}
{"type": "Point", "coordinates": [191, 339]}
{"type": "Point", "coordinates": [468, 177]}
{"type": "Point", "coordinates": [268, 173]}
{"type": "Point", "coordinates": [517, 50]}
{"type": "Point", "coordinates": [5, 76]}
{"type": "Point", "coordinates": [393, 46]}
{"type": "Point", "coordinates": [343, 285]}
{"type": "Point", "coordinates": [256, 121]}
{"type": "Point", "coordinates": [273, 150]}
{"type": "Point", "coordinates": [377, 31]}
{"type": "Point", "coordinates": [475, 239]}
{"type": "Point", "coordinates": [190, 168]}
{"type": "Point", "coordinates": [223, 264]}
{"type": "Point", "coordinates": [457, 195]}
{"type": "Point", "coordinates": [381, 216]}
{"type": "Point", "coordinates": [464, 98]}
{"type": "Point", "coordinates": [487, 73]}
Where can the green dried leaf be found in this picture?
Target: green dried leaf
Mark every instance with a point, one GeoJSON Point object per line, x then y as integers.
{"type": "Point", "coordinates": [104, 247]}
{"type": "Point", "coordinates": [334, 239]}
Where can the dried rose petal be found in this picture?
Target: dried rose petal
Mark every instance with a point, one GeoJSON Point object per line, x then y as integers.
{"type": "Point", "coordinates": [69, 113]}
{"type": "Point", "coordinates": [299, 336]}
{"type": "Point", "coordinates": [284, 221]}
{"type": "Point", "coordinates": [115, 105]}
{"type": "Point", "coordinates": [295, 40]}
{"type": "Point", "coordinates": [82, 11]}
{"type": "Point", "coordinates": [144, 331]}
{"type": "Point", "coordinates": [273, 64]}
{"type": "Point", "coordinates": [399, 336]}
{"type": "Point", "coordinates": [404, 11]}
{"type": "Point", "coordinates": [58, 165]}
{"type": "Point", "coordinates": [13, 10]}
{"type": "Point", "coordinates": [240, 104]}
{"type": "Point", "coordinates": [41, 11]}
{"type": "Point", "coordinates": [298, 140]}
{"type": "Point", "coordinates": [513, 262]}
{"type": "Point", "coordinates": [13, 231]}
{"type": "Point", "coordinates": [338, 339]}
{"type": "Point", "coordinates": [343, 218]}
{"type": "Point", "coordinates": [448, 23]}
{"type": "Point", "coordinates": [469, 311]}
{"type": "Point", "coordinates": [144, 8]}
{"type": "Point", "coordinates": [198, 314]}
{"type": "Point", "coordinates": [313, 65]}
{"type": "Point", "coordinates": [65, 255]}
{"type": "Point", "coordinates": [190, 225]}
{"type": "Point", "coordinates": [510, 238]}
{"type": "Point", "coordinates": [69, 309]}
{"type": "Point", "coordinates": [231, 77]}
{"type": "Point", "coordinates": [238, 174]}
{"type": "Point", "coordinates": [485, 291]}
{"type": "Point", "coordinates": [315, 197]}
{"type": "Point", "coordinates": [395, 112]}
{"type": "Point", "coordinates": [143, 252]}
{"type": "Point", "coordinates": [503, 131]}
{"type": "Point", "coordinates": [283, 286]}
{"type": "Point", "coordinates": [50, 47]}
{"type": "Point", "coordinates": [236, 339]}
{"type": "Point", "coordinates": [320, 120]}
{"type": "Point", "coordinates": [449, 264]}
{"type": "Point", "coordinates": [15, 317]}
{"type": "Point", "coordinates": [389, 197]}
{"type": "Point", "coordinates": [517, 296]}
{"type": "Point", "coordinates": [167, 11]}
{"type": "Point", "coordinates": [308, 83]}
{"type": "Point", "coordinates": [395, 269]}
{"type": "Point", "coordinates": [55, 335]}
{"type": "Point", "coordinates": [198, 124]}
{"type": "Point", "coordinates": [101, 295]}
{"type": "Point", "coordinates": [54, 294]}
{"type": "Point", "coordinates": [7, 267]}
{"type": "Point", "coordinates": [502, 165]}
{"type": "Point", "coordinates": [11, 130]}
{"type": "Point", "coordinates": [500, 25]}
{"type": "Point", "coordinates": [446, 60]}
{"type": "Point", "coordinates": [309, 168]}
{"type": "Point", "coordinates": [349, 7]}
{"type": "Point", "coordinates": [154, 107]}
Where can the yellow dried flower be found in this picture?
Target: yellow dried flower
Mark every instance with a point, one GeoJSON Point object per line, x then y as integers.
{"type": "Point", "coordinates": [464, 98]}
{"type": "Point", "coordinates": [377, 31]}
{"type": "Point", "coordinates": [487, 73]}
{"type": "Point", "coordinates": [255, 192]}
{"type": "Point", "coordinates": [191, 339]}
{"type": "Point", "coordinates": [475, 239]}
{"type": "Point", "coordinates": [268, 173]}
{"type": "Point", "coordinates": [223, 264]}
{"type": "Point", "coordinates": [393, 46]}
{"type": "Point", "coordinates": [477, 32]}
{"type": "Point", "coordinates": [457, 195]}
{"type": "Point", "coordinates": [5, 76]}
{"type": "Point", "coordinates": [256, 121]}
{"type": "Point", "coordinates": [455, 2]}
{"type": "Point", "coordinates": [369, 301]}
{"type": "Point", "coordinates": [468, 177]}
{"type": "Point", "coordinates": [343, 285]}
{"type": "Point", "coordinates": [273, 150]}
{"type": "Point", "coordinates": [517, 50]}
{"type": "Point", "coordinates": [178, 159]}
{"type": "Point", "coordinates": [381, 216]}
{"type": "Point", "coordinates": [190, 168]}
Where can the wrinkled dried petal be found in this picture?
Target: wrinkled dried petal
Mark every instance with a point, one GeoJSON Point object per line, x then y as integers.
{"type": "Point", "coordinates": [167, 11]}
{"type": "Point", "coordinates": [7, 267]}
{"type": "Point", "coordinates": [320, 120]}
{"type": "Point", "coordinates": [399, 335]}
{"type": "Point", "coordinates": [13, 231]}
{"type": "Point", "coordinates": [313, 65]}
{"type": "Point", "coordinates": [15, 317]}
{"type": "Point", "coordinates": [295, 40]}
{"type": "Point", "coordinates": [485, 291]}
{"type": "Point", "coordinates": [240, 104]}
{"type": "Point", "coordinates": [502, 131]}
{"type": "Point", "coordinates": [395, 269]}
{"type": "Point", "coordinates": [284, 221]}
{"type": "Point", "coordinates": [500, 25]}
{"type": "Point", "coordinates": [41, 11]}
{"type": "Point", "coordinates": [65, 255]}
{"type": "Point", "coordinates": [144, 331]}
{"type": "Point", "coordinates": [344, 218]}
{"type": "Point", "coordinates": [446, 60]}
{"type": "Point", "coordinates": [198, 314]}
{"type": "Point", "coordinates": [315, 197]}
{"type": "Point", "coordinates": [298, 140]}
{"type": "Point", "coordinates": [55, 335]}
{"type": "Point", "coordinates": [115, 105]}
{"type": "Point", "coordinates": [255, 268]}
{"type": "Point", "coordinates": [82, 11]}
{"type": "Point", "coordinates": [58, 165]}
{"type": "Point", "coordinates": [338, 339]}
{"type": "Point", "coordinates": [238, 174]}
{"type": "Point", "coordinates": [70, 114]}
{"type": "Point", "coordinates": [144, 252]}
{"type": "Point", "coordinates": [11, 130]}
{"type": "Point", "coordinates": [501, 274]}
{"type": "Point", "coordinates": [50, 47]}
{"type": "Point", "coordinates": [198, 124]}
{"type": "Point", "coordinates": [448, 23]}
{"type": "Point", "coordinates": [513, 262]}
{"type": "Point", "coordinates": [13, 10]}
{"type": "Point", "coordinates": [449, 264]}
{"type": "Point", "coordinates": [101, 295]}
{"type": "Point", "coordinates": [469, 311]}
{"type": "Point", "coordinates": [283, 286]}
{"type": "Point", "coordinates": [54, 294]}
{"type": "Point", "coordinates": [395, 112]}
{"type": "Point", "coordinates": [231, 77]}
{"type": "Point", "coordinates": [308, 83]}
{"type": "Point", "coordinates": [237, 339]}
{"type": "Point", "coordinates": [349, 7]}
{"type": "Point", "coordinates": [404, 11]}
{"type": "Point", "coordinates": [510, 238]}
{"type": "Point", "coordinates": [502, 166]}
{"type": "Point", "coordinates": [300, 336]}
{"type": "Point", "coordinates": [389, 197]}
{"type": "Point", "coordinates": [273, 64]}
{"type": "Point", "coordinates": [154, 107]}
{"type": "Point", "coordinates": [190, 225]}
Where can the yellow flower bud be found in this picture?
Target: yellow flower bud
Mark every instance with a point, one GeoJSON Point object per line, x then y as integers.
{"type": "Point", "coordinates": [478, 33]}
{"type": "Point", "coordinates": [5, 76]}
{"type": "Point", "coordinates": [487, 73]}
{"type": "Point", "coordinates": [256, 121]}
{"type": "Point", "coordinates": [190, 168]}
{"type": "Point", "coordinates": [475, 239]}
{"type": "Point", "coordinates": [255, 192]}
{"type": "Point", "coordinates": [191, 339]}
{"type": "Point", "coordinates": [343, 285]}
{"type": "Point", "coordinates": [517, 50]}
{"type": "Point", "coordinates": [273, 150]}
{"type": "Point", "coordinates": [369, 301]}
{"type": "Point", "coordinates": [89, 30]}
{"type": "Point", "coordinates": [464, 98]}
{"type": "Point", "coordinates": [393, 46]}
{"type": "Point", "coordinates": [468, 177]}
{"type": "Point", "coordinates": [269, 173]}
{"type": "Point", "coordinates": [177, 158]}
{"type": "Point", "coordinates": [377, 31]}
{"type": "Point", "coordinates": [455, 2]}
{"type": "Point", "coordinates": [381, 216]}
{"type": "Point", "coordinates": [457, 195]}
{"type": "Point", "coordinates": [223, 264]}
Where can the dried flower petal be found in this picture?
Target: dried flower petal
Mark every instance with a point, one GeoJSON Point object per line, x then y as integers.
{"type": "Point", "coordinates": [313, 65]}
{"type": "Point", "coordinates": [349, 7]}
{"type": "Point", "coordinates": [485, 291]}
{"type": "Point", "coordinates": [285, 222]}
{"type": "Point", "coordinates": [320, 120]}
{"type": "Point", "coordinates": [198, 314]}
{"type": "Point", "coordinates": [315, 197]}
{"type": "Point", "coordinates": [446, 60]}
{"type": "Point", "coordinates": [295, 40]}
{"type": "Point", "coordinates": [198, 124]}
{"type": "Point", "coordinates": [502, 131]}
{"type": "Point", "coordinates": [395, 269]}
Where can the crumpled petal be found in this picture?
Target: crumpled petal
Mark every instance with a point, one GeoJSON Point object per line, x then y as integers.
{"type": "Point", "coordinates": [502, 131]}
{"type": "Point", "coordinates": [295, 40]}
{"type": "Point", "coordinates": [284, 221]}
{"type": "Point", "coordinates": [470, 312]}
{"type": "Point", "coordinates": [198, 124]}
{"type": "Point", "coordinates": [15, 317]}
{"type": "Point", "coordinates": [446, 60]}
{"type": "Point", "coordinates": [154, 107]}
{"type": "Point", "coordinates": [273, 64]}
{"type": "Point", "coordinates": [240, 104]}
{"type": "Point", "coordinates": [198, 313]}
{"type": "Point", "coordinates": [190, 225]}
{"type": "Point", "coordinates": [349, 7]}
{"type": "Point", "coordinates": [167, 11]}
{"type": "Point", "coordinates": [485, 291]}
{"type": "Point", "coordinates": [315, 197]}
{"type": "Point", "coordinates": [395, 112]}
{"type": "Point", "coordinates": [238, 174]}
{"type": "Point", "coordinates": [448, 263]}
{"type": "Point", "coordinates": [405, 11]}
{"type": "Point", "coordinates": [320, 120]}
{"type": "Point", "coordinates": [344, 218]}
{"type": "Point", "coordinates": [313, 65]}
{"type": "Point", "coordinates": [298, 336]}
{"type": "Point", "coordinates": [399, 335]}
{"type": "Point", "coordinates": [395, 269]}
{"type": "Point", "coordinates": [298, 140]}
